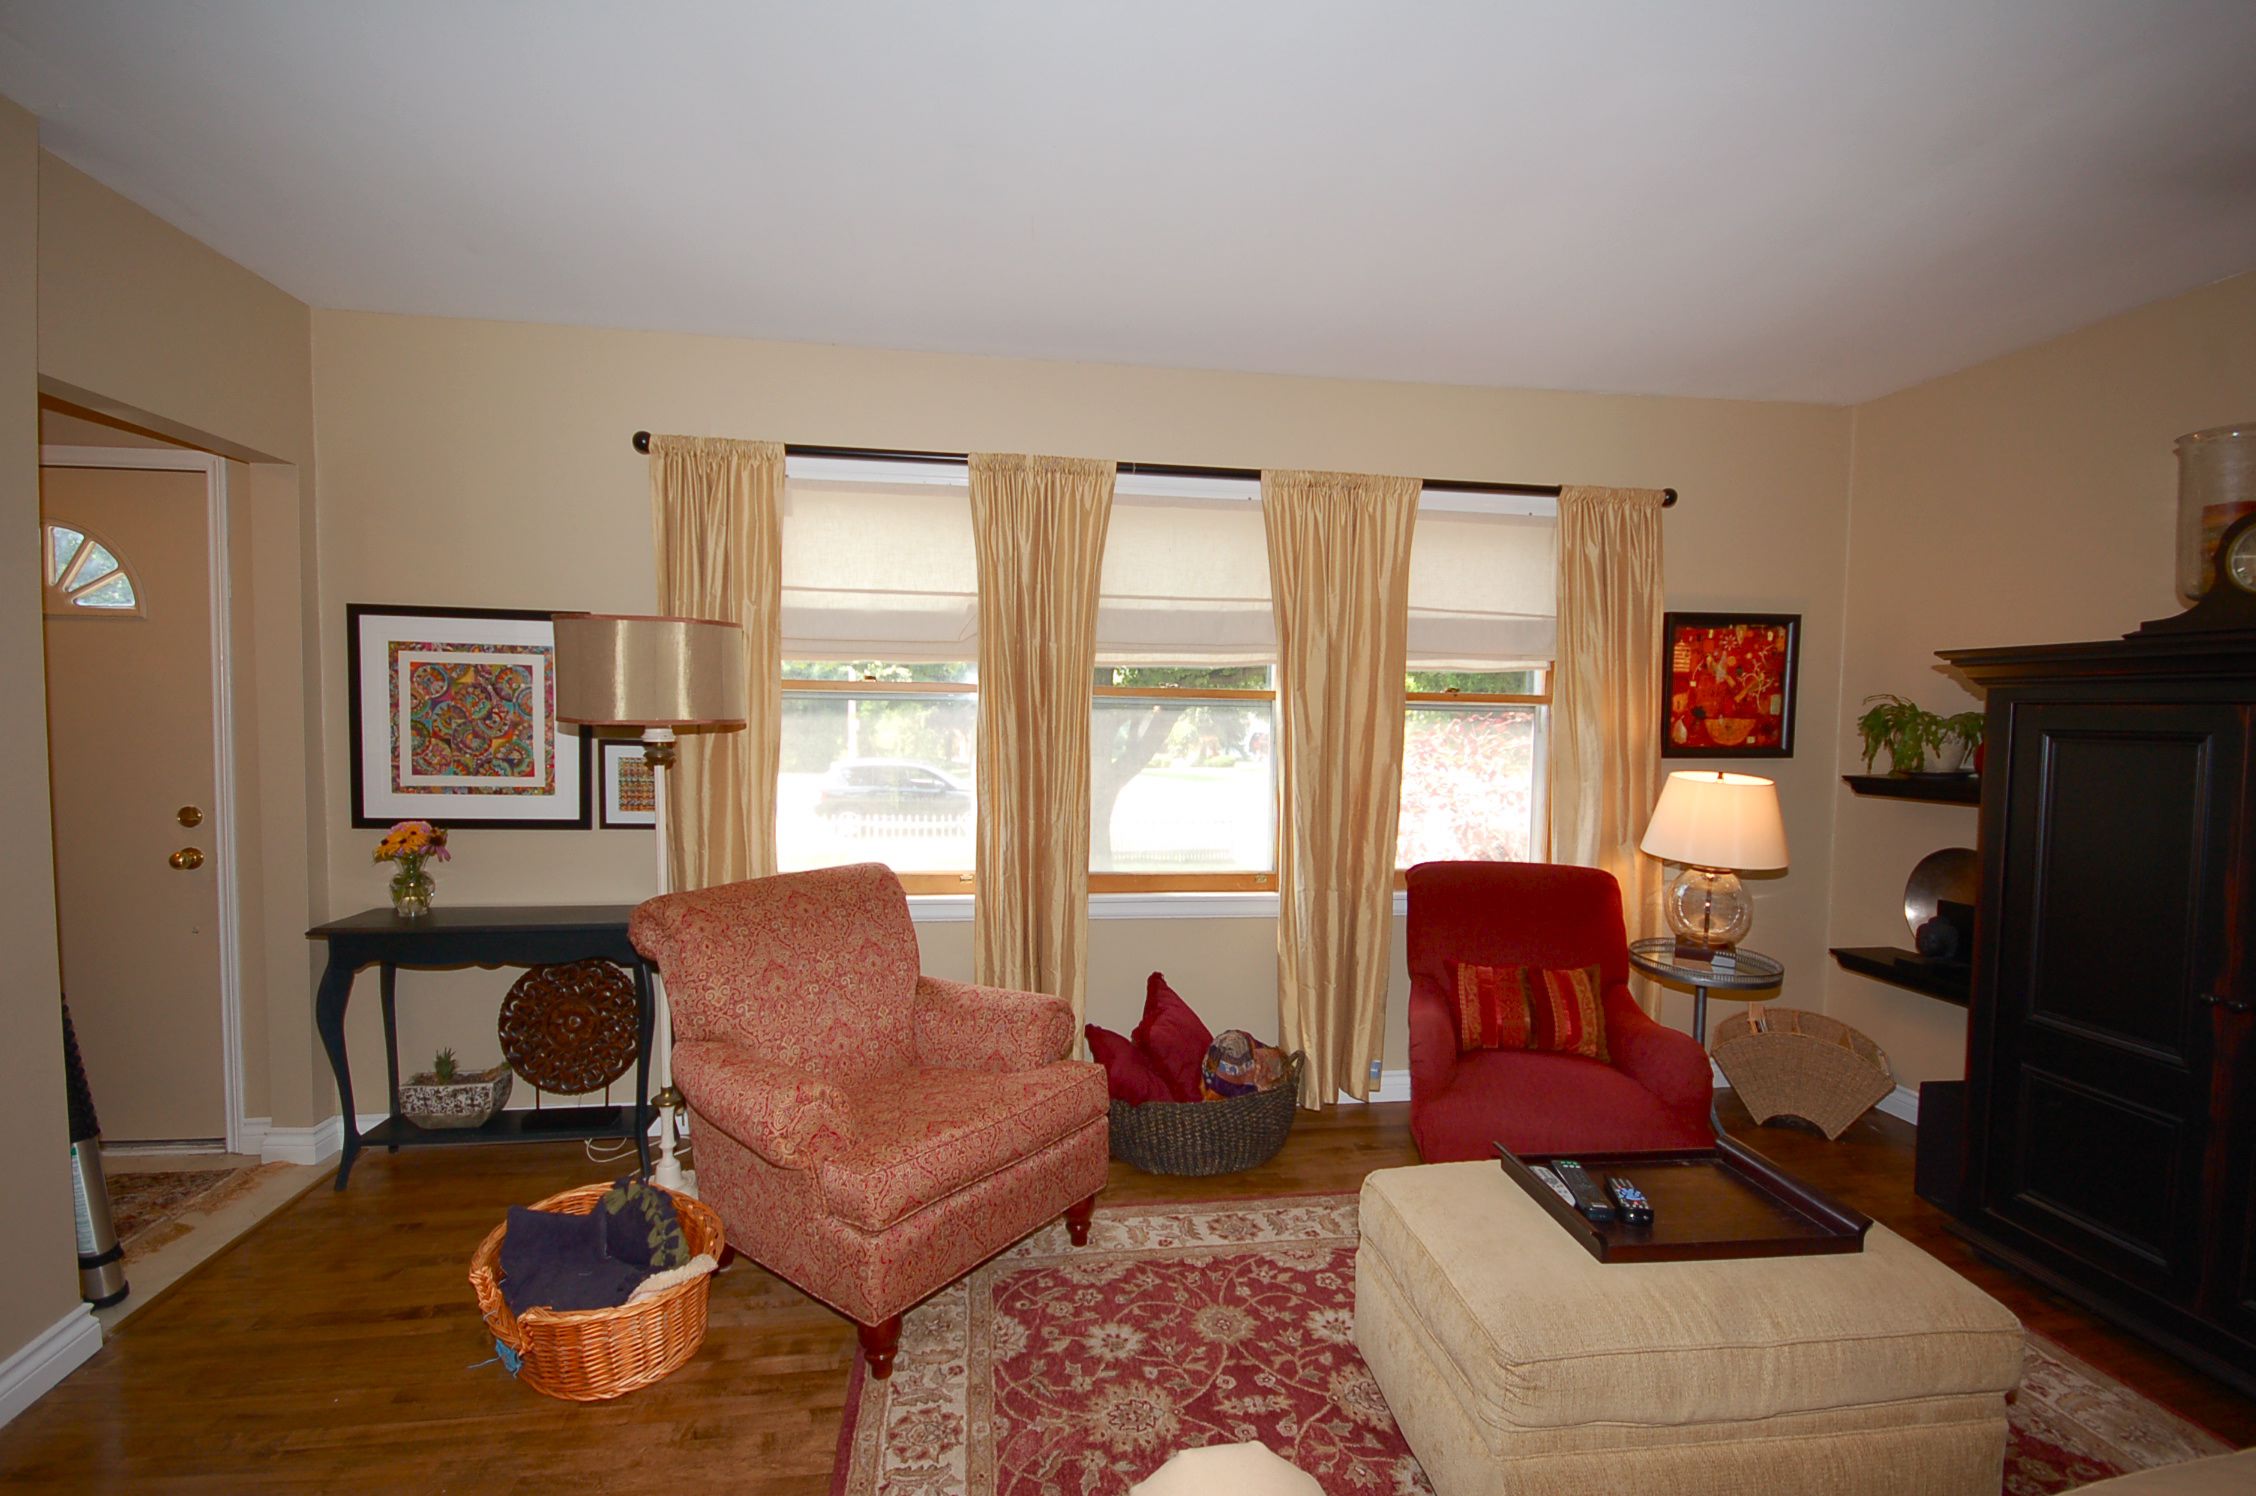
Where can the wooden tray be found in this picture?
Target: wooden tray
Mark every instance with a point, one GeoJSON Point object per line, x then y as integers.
{"type": "Point", "coordinates": [1708, 1203]}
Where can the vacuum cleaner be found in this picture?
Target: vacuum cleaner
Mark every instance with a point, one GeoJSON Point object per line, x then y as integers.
{"type": "Point", "coordinates": [101, 1261]}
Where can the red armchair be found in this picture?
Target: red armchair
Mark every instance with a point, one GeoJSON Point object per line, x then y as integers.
{"type": "Point", "coordinates": [867, 1133]}
{"type": "Point", "coordinates": [1655, 1094]}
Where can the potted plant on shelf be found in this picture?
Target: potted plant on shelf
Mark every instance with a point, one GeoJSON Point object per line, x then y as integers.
{"type": "Point", "coordinates": [1918, 741]}
{"type": "Point", "coordinates": [444, 1097]}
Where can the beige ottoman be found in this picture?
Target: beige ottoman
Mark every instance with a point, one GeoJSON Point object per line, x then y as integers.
{"type": "Point", "coordinates": [1517, 1363]}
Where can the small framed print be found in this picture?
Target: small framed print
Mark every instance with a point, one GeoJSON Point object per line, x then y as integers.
{"type": "Point", "coordinates": [1727, 684]}
{"type": "Point", "coordinates": [453, 716]}
{"type": "Point", "coordinates": [627, 793]}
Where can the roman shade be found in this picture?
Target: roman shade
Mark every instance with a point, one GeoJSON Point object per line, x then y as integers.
{"type": "Point", "coordinates": [1186, 581]}
{"type": "Point", "coordinates": [880, 568]}
{"type": "Point", "coordinates": [1483, 586]}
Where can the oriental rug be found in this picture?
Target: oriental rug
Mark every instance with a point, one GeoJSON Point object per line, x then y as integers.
{"type": "Point", "coordinates": [1056, 1370]}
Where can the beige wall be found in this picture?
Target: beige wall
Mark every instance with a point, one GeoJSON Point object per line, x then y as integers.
{"type": "Point", "coordinates": [2028, 500]}
{"type": "Point", "coordinates": [138, 321]}
{"type": "Point", "coordinates": [485, 464]}
{"type": "Point", "coordinates": [38, 1262]}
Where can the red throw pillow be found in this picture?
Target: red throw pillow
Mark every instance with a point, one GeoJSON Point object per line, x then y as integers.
{"type": "Point", "coordinates": [1529, 1007]}
{"type": "Point", "coordinates": [1174, 1038]}
{"type": "Point", "coordinates": [1130, 1075]}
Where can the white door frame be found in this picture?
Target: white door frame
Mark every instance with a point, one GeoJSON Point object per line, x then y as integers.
{"type": "Point", "coordinates": [223, 828]}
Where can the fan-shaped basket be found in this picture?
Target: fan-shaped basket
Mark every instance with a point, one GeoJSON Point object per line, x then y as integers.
{"type": "Point", "coordinates": [1802, 1065]}
{"type": "Point", "coordinates": [587, 1355]}
{"type": "Point", "coordinates": [1208, 1137]}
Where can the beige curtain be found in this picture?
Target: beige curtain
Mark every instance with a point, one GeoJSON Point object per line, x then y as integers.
{"type": "Point", "coordinates": [1606, 692]}
{"type": "Point", "coordinates": [1339, 575]}
{"type": "Point", "coordinates": [717, 510]}
{"type": "Point", "coordinates": [1039, 527]}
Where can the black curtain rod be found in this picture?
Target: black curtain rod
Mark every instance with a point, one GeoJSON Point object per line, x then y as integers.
{"type": "Point", "coordinates": [1157, 469]}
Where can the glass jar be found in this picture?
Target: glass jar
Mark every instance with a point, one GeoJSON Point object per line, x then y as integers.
{"type": "Point", "coordinates": [2216, 485]}
{"type": "Point", "coordinates": [411, 894]}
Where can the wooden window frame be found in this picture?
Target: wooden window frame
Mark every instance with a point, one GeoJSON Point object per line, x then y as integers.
{"type": "Point", "coordinates": [1251, 881]}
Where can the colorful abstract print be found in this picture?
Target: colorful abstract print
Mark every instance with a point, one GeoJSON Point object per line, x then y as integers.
{"type": "Point", "coordinates": [472, 717]}
{"type": "Point", "coordinates": [638, 793]}
{"type": "Point", "coordinates": [1727, 686]}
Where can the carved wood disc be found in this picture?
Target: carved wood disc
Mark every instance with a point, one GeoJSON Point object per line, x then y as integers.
{"type": "Point", "coordinates": [570, 1028]}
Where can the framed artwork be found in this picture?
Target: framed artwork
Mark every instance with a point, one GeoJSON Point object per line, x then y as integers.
{"type": "Point", "coordinates": [454, 720]}
{"type": "Point", "coordinates": [626, 795]}
{"type": "Point", "coordinates": [1727, 684]}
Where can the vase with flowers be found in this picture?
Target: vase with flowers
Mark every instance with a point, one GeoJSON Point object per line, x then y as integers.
{"type": "Point", "coordinates": [409, 845]}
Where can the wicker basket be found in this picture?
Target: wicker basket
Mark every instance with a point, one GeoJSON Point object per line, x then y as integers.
{"type": "Point", "coordinates": [1207, 1137]}
{"type": "Point", "coordinates": [587, 1355]}
{"type": "Point", "coordinates": [1802, 1065]}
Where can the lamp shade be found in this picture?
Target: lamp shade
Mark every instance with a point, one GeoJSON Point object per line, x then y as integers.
{"type": "Point", "coordinates": [1717, 821]}
{"type": "Point", "coordinates": [628, 670]}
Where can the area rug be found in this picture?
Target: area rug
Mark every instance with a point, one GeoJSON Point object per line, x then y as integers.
{"type": "Point", "coordinates": [1056, 1370]}
{"type": "Point", "coordinates": [147, 1209]}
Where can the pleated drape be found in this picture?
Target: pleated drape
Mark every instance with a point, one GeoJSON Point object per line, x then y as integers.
{"type": "Point", "coordinates": [1339, 579]}
{"type": "Point", "coordinates": [717, 512]}
{"type": "Point", "coordinates": [1038, 526]}
{"type": "Point", "coordinates": [1606, 691]}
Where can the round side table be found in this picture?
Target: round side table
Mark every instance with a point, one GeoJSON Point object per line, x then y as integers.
{"type": "Point", "coordinates": [1754, 975]}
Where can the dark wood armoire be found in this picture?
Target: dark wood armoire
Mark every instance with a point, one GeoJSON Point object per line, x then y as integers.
{"type": "Point", "coordinates": [2110, 1145]}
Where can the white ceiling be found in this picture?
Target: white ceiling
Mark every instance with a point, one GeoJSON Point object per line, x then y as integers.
{"type": "Point", "coordinates": [1812, 199]}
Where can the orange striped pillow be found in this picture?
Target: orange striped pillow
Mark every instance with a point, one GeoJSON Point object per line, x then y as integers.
{"type": "Point", "coordinates": [1529, 1007]}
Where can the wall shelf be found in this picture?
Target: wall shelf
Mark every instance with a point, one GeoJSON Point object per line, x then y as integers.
{"type": "Point", "coordinates": [1908, 969]}
{"type": "Point", "coordinates": [1964, 790]}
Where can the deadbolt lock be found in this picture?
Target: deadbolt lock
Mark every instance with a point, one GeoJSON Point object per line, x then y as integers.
{"type": "Point", "coordinates": [187, 859]}
{"type": "Point", "coordinates": [191, 815]}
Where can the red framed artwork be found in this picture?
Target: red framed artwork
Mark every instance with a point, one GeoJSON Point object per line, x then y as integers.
{"type": "Point", "coordinates": [1727, 684]}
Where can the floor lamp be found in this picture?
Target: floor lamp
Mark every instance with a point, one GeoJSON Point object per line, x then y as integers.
{"type": "Point", "coordinates": [627, 670]}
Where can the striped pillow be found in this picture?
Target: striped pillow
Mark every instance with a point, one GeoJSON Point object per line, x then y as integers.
{"type": "Point", "coordinates": [1528, 1007]}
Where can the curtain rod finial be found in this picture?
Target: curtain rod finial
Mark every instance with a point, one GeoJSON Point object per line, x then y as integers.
{"type": "Point", "coordinates": [1668, 495]}
{"type": "Point", "coordinates": [642, 445]}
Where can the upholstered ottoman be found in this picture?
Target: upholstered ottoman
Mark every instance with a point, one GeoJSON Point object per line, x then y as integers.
{"type": "Point", "coordinates": [1517, 1363]}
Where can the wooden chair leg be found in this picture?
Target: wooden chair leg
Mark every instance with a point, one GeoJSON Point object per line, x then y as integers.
{"type": "Point", "coordinates": [879, 1342]}
{"type": "Point", "coordinates": [1077, 1217]}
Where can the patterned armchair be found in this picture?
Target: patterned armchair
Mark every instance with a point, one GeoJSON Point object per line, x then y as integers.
{"type": "Point", "coordinates": [867, 1133]}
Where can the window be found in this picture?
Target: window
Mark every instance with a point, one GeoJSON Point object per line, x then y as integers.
{"type": "Point", "coordinates": [84, 577]}
{"type": "Point", "coordinates": [1182, 785]}
{"type": "Point", "coordinates": [880, 709]}
{"type": "Point", "coordinates": [1476, 718]}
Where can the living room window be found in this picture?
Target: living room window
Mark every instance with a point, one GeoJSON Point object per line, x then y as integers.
{"type": "Point", "coordinates": [1476, 718]}
{"type": "Point", "coordinates": [880, 701]}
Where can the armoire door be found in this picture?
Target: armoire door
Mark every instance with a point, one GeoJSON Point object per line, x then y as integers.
{"type": "Point", "coordinates": [2111, 928]}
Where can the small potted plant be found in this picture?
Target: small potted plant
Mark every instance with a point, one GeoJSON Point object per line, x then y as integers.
{"type": "Point", "coordinates": [1918, 741]}
{"type": "Point", "coordinates": [444, 1097]}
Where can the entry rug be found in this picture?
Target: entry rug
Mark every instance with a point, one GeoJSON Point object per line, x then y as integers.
{"type": "Point", "coordinates": [146, 1209]}
{"type": "Point", "coordinates": [1057, 1370]}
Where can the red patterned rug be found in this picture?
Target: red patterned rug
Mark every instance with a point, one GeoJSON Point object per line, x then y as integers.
{"type": "Point", "coordinates": [1075, 1371]}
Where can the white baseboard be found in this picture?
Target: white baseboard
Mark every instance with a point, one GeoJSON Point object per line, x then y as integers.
{"type": "Point", "coordinates": [55, 1353]}
{"type": "Point", "coordinates": [1902, 1103]}
{"type": "Point", "coordinates": [303, 1145]}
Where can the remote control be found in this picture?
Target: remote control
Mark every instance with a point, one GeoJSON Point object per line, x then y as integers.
{"type": "Point", "coordinates": [1557, 1188]}
{"type": "Point", "coordinates": [1589, 1199]}
{"type": "Point", "coordinates": [1635, 1208]}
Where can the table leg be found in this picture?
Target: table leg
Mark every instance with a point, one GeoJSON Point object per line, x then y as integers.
{"type": "Point", "coordinates": [329, 1018]}
{"type": "Point", "coordinates": [1700, 1015]}
{"type": "Point", "coordinates": [646, 1026]}
{"type": "Point", "coordinates": [391, 1047]}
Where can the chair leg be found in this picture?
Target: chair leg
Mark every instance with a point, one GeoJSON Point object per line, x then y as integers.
{"type": "Point", "coordinates": [879, 1342]}
{"type": "Point", "coordinates": [1077, 1220]}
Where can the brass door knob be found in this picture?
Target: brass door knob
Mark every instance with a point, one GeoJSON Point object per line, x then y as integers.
{"type": "Point", "coordinates": [186, 859]}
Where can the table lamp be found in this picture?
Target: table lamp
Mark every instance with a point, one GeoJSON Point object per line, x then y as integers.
{"type": "Point", "coordinates": [628, 670]}
{"type": "Point", "coordinates": [1715, 824]}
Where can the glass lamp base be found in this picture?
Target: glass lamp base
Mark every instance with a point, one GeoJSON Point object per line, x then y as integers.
{"type": "Point", "coordinates": [1709, 908]}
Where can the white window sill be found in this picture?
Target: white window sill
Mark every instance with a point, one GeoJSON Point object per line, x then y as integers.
{"type": "Point", "coordinates": [955, 908]}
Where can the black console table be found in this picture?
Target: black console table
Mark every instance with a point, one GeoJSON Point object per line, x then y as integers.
{"type": "Point", "coordinates": [528, 935]}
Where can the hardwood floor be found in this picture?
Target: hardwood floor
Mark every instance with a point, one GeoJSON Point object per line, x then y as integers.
{"type": "Point", "coordinates": [336, 1346]}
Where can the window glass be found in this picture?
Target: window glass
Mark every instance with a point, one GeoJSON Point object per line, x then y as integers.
{"type": "Point", "coordinates": [1470, 783]}
{"type": "Point", "coordinates": [1180, 784]}
{"type": "Point", "coordinates": [62, 544]}
{"type": "Point", "coordinates": [1527, 682]}
{"type": "Point", "coordinates": [98, 563]}
{"type": "Point", "coordinates": [877, 774]}
{"type": "Point", "coordinates": [117, 592]}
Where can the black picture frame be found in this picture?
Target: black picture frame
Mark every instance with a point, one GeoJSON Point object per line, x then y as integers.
{"type": "Point", "coordinates": [610, 755]}
{"type": "Point", "coordinates": [377, 801]}
{"type": "Point", "coordinates": [1690, 726]}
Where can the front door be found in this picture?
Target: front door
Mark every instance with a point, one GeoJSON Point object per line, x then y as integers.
{"type": "Point", "coordinates": [129, 742]}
